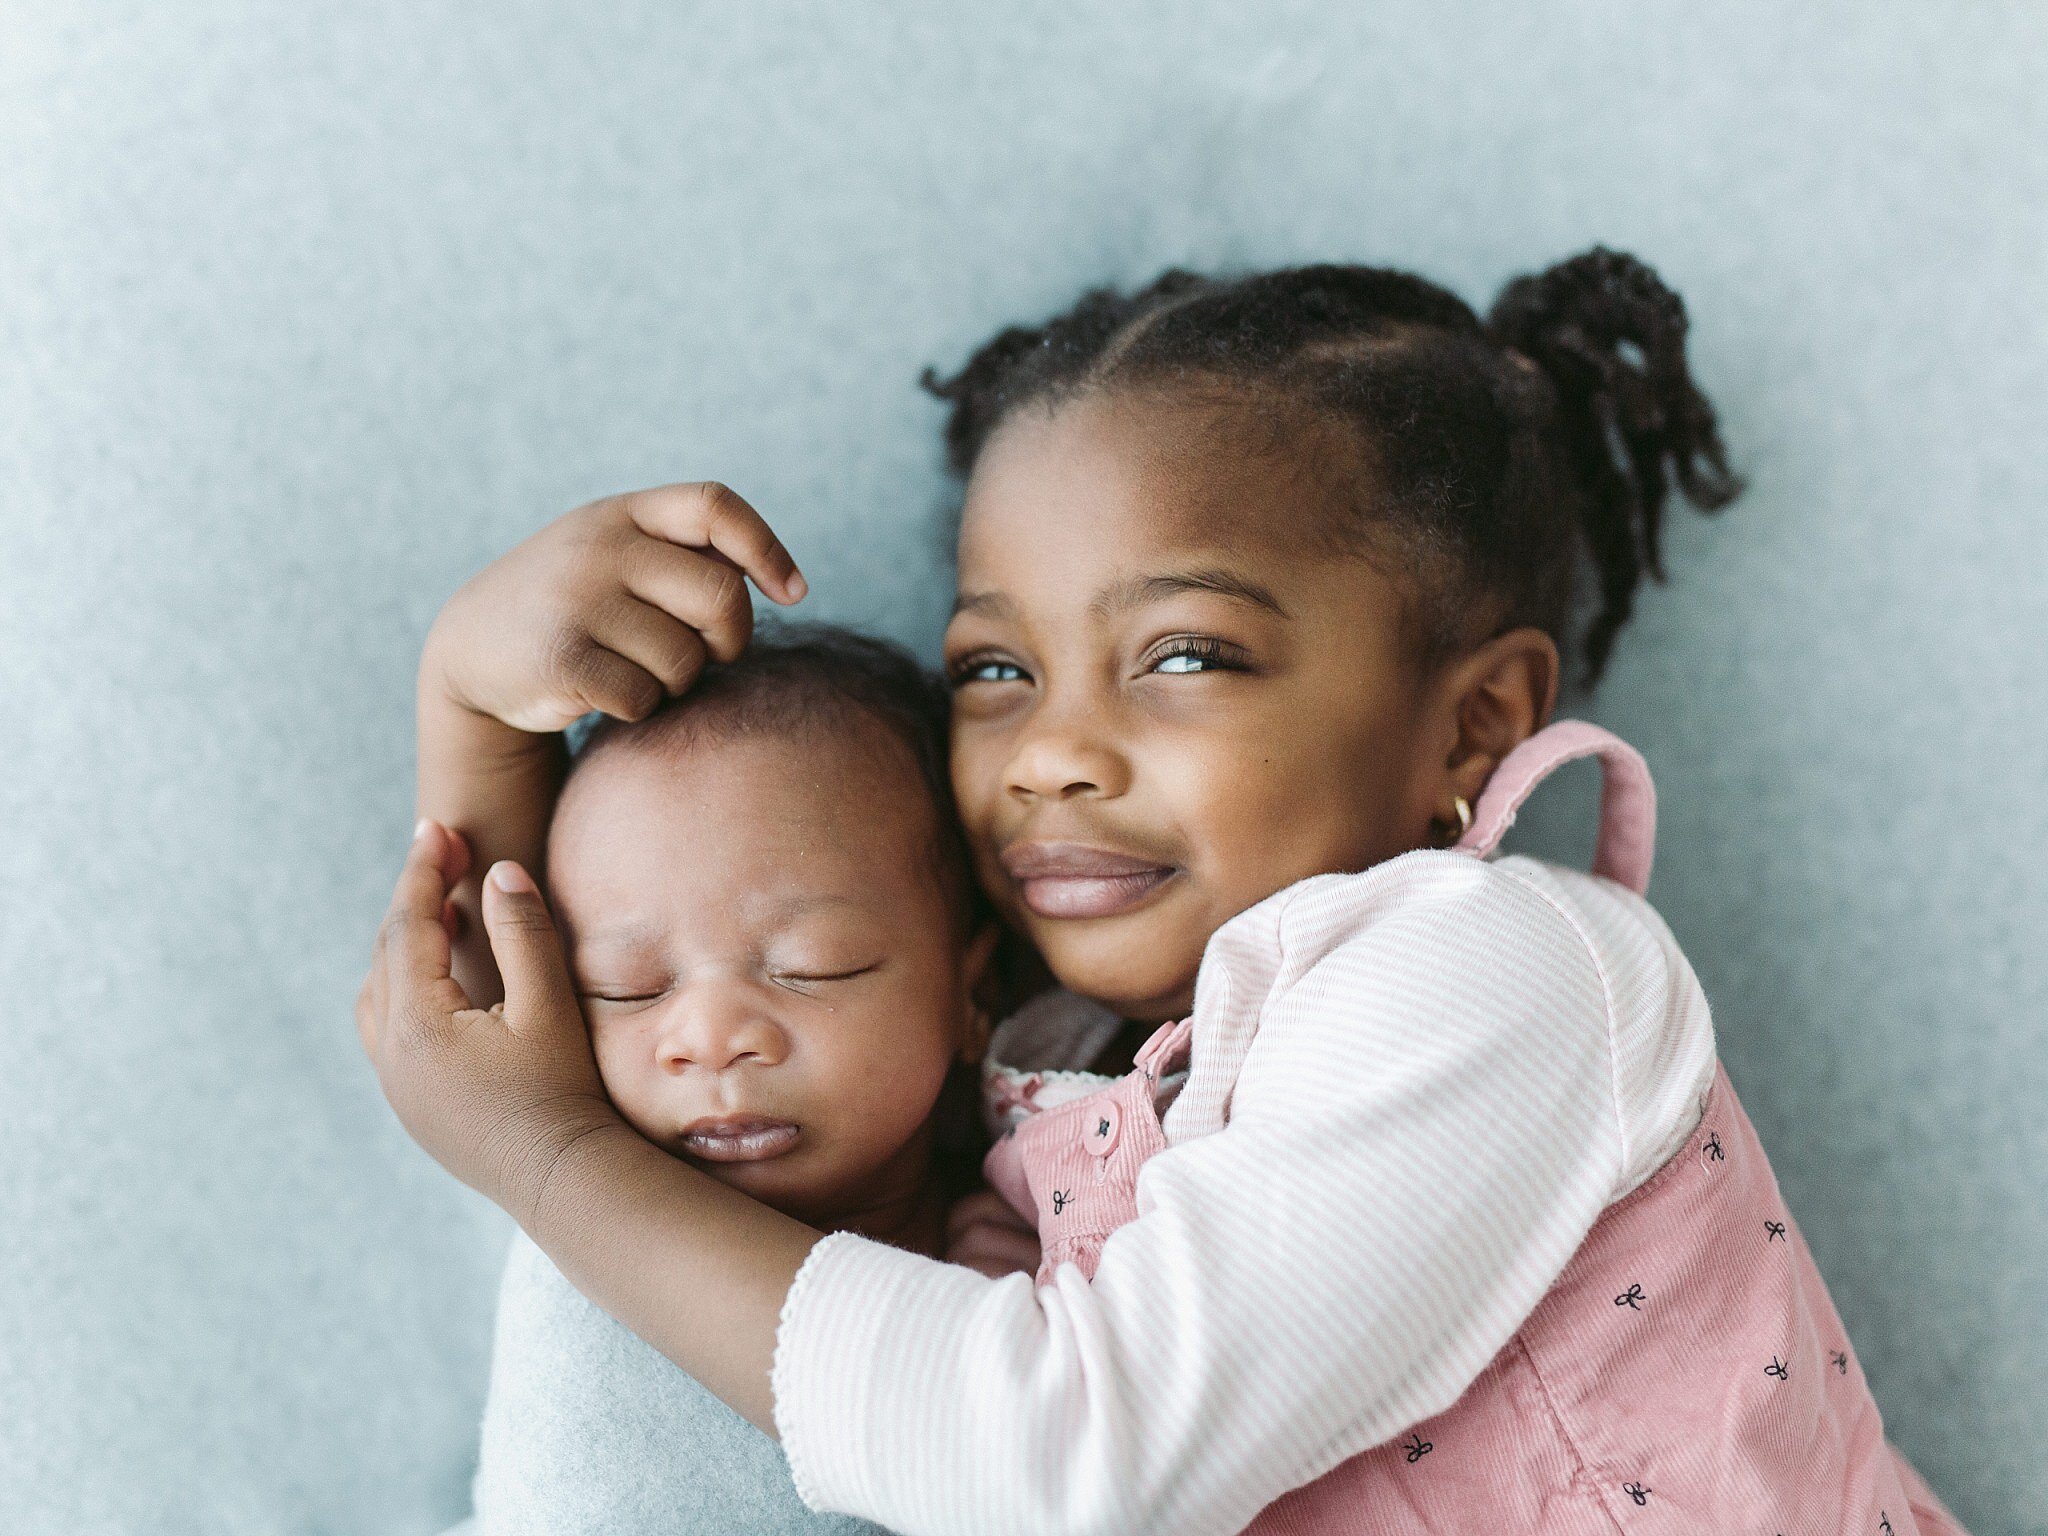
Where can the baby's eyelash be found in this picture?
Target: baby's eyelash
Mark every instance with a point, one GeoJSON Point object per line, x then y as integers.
{"type": "Point", "coordinates": [795, 980]}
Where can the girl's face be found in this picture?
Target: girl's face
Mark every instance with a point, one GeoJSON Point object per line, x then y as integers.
{"type": "Point", "coordinates": [767, 961]}
{"type": "Point", "coordinates": [1172, 697]}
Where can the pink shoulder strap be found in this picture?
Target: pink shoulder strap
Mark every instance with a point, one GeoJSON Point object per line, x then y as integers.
{"type": "Point", "coordinates": [1157, 1056]}
{"type": "Point", "coordinates": [1628, 800]}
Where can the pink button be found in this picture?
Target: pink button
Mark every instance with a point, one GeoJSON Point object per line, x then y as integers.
{"type": "Point", "coordinates": [1105, 1123]}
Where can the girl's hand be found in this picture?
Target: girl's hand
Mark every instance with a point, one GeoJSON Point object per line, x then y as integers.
{"type": "Point", "coordinates": [985, 1234]}
{"type": "Point", "coordinates": [496, 1094]}
{"type": "Point", "coordinates": [607, 608]}
{"type": "Point", "coordinates": [610, 607]}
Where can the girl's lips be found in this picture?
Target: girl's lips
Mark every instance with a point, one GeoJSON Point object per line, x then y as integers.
{"type": "Point", "coordinates": [739, 1141]}
{"type": "Point", "coordinates": [1090, 895]}
{"type": "Point", "coordinates": [1059, 879]}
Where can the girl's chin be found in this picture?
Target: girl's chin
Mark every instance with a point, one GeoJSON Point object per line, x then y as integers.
{"type": "Point", "coordinates": [1136, 979]}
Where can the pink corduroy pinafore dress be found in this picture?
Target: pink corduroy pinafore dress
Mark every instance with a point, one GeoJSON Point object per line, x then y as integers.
{"type": "Point", "coordinates": [1687, 1372]}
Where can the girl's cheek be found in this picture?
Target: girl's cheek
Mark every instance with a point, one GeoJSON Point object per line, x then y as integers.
{"type": "Point", "coordinates": [970, 804]}
{"type": "Point", "coordinates": [977, 823]}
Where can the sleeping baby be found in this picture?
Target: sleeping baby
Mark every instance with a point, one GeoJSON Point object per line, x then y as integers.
{"type": "Point", "coordinates": [773, 928]}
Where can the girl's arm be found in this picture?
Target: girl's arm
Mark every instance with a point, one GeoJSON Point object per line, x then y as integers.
{"type": "Point", "coordinates": [612, 607]}
{"type": "Point", "coordinates": [1420, 1130]}
{"type": "Point", "coordinates": [1342, 1233]}
{"type": "Point", "coordinates": [496, 786]}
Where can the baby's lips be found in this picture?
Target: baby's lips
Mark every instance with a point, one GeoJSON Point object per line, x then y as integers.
{"type": "Point", "coordinates": [738, 1138]}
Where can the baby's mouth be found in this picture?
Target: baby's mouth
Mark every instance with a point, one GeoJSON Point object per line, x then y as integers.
{"type": "Point", "coordinates": [738, 1139]}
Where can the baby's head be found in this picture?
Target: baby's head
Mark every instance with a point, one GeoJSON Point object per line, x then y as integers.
{"type": "Point", "coordinates": [771, 921]}
{"type": "Point", "coordinates": [1260, 577]}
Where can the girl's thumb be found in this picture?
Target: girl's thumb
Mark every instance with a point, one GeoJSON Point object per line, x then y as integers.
{"type": "Point", "coordinates": [527, 947]}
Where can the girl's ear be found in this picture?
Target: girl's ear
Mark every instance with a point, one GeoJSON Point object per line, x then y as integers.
{"type": "Point", "coordinates": [974, 963]}
{"type": "Point", "coordinates": [1498, 697]}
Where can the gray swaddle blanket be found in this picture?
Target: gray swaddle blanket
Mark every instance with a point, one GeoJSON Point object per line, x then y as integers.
{"type": "Point", "coordinates": [588, 1428]}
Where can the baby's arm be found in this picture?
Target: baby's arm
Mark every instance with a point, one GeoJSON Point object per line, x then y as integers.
{"type": "Point", "coordinates": [611, 607]}
{"type": "Point", "coordinates": [986, 1233]}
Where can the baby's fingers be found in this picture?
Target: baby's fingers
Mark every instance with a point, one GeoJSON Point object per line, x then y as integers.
{"type": "Point", "coordinates": [984, 1233]}
{"type": "Point", "coordinates": [982, 1206]}
{"type": "Point", "coordinates": [995, 1251]}
{"type": "Point", "coordinates": [707, 513]}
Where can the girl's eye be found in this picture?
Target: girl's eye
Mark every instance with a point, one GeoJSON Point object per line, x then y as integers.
{"type": "Point", "coordinates": [619, 997]}
{"type": "Point", "coordinates": [986, 669]}
{"type": "Point", "coordinates": [1196, 653]}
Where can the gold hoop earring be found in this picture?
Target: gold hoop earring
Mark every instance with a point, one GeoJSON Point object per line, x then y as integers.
{"type": "Point", "coordinates": [1464, 810]}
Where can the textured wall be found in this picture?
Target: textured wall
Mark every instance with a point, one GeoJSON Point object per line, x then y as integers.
{"type": "Point", "coordinates": [305, 311]}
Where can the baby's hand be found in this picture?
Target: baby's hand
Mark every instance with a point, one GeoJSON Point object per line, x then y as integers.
{"type": "Point", "coordinates": [610, 607]}
{"type": "Point", "coordinates": [984, 1233]}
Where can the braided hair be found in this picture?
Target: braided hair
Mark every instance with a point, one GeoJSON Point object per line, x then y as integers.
{"type": "Point", "coordinates": [1490, 458]}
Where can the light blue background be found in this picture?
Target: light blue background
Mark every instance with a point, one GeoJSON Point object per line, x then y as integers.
{"type": "Point", "coordinates": [308, 310]}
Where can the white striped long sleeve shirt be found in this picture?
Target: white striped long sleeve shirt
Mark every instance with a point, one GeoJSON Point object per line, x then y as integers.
{"type": "Point", "coordinates": [1413, 1090]}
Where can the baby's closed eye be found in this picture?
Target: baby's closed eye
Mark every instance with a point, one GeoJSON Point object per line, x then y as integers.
{"type": "Point", "coordinates": [808, 980]}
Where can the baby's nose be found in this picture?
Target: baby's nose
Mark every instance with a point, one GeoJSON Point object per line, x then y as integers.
{"type": "Point", "coordinates": [712, 1034]}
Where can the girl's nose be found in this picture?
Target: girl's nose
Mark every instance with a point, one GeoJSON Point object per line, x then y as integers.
{"type": "Point", "coordinates": [1059, 757]}
{"type": "Point", "coordinates": [713, 1032]}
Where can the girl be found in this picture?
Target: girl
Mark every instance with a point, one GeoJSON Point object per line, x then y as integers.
{"type": "Point", "coordinates": [1261, 583]}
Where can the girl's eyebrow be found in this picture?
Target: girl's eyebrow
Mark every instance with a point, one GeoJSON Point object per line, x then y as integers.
{"type": "Point", "coordinates": [1139, 590]}
{"type": "Point", "coordinates": [993, 603]}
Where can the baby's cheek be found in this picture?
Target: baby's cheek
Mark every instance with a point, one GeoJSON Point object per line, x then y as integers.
{"type": "Point", "coordinates": [893, 1070]}
{"type": "Point", "coordinates": [623, 1087]}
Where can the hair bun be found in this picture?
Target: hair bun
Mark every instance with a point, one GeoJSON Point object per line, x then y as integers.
{"type": "Point", "coordinates": [1611, 338]}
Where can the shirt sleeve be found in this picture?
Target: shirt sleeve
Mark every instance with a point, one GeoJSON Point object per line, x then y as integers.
{"type": "Point", "coordinates": [1422, 1130]}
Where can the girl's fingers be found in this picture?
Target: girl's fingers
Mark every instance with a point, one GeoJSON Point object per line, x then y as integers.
{"type": "Point", "coordinates": [455, 860]}
{"type": "Point", "coordinates": [707, 513]}
{"type": "Point", "coordinates": [664, 647]}
{"type": "Point", "coordinates": [370, 1008]}
{"type": "Point", "coordinates": [528, 950]}
{"type": "Point", "coordinates": [602, 679]}
{"type": "Point", "coordinates": [700, 587]}
{"type": "Point", "coordinates": [412, 945]}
